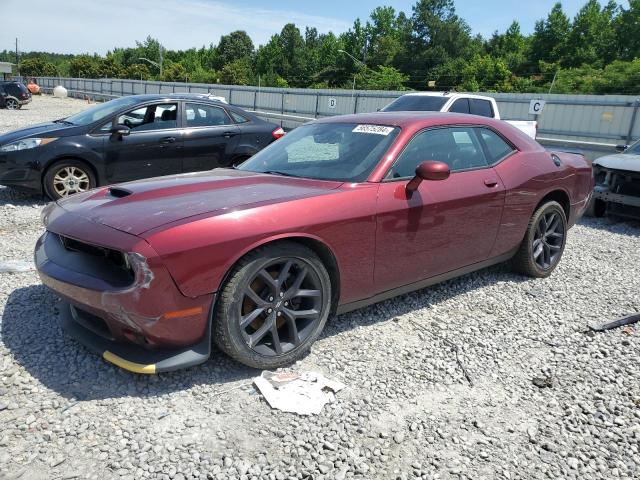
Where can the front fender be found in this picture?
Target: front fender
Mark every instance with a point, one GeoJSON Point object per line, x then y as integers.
{"type": "Point", "coordinates": [65, 149]}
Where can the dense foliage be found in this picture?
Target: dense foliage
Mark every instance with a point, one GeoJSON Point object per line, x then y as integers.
{"type": "Point", "coordinates": [598, 51]}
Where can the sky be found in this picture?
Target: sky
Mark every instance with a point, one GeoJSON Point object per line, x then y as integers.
{"type": "Point", "coordinates": [88, 26]}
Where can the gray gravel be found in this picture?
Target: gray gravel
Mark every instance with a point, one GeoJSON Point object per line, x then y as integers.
{"type": "Point", "coordinates": [542, 398]}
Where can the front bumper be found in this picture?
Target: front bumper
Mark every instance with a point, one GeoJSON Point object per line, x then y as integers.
{"type": "Point", "coordinates": [602, 192]}
{"type": "Point", "coordinates": [129, 356]}
{"type": "Point", "coordinates": [20, 169]}
{"type": "Point", "coordinates": [135, 318]}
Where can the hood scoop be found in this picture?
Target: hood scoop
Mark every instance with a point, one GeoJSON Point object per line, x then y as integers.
{"type": "Point", "coordinates": [119, 192]}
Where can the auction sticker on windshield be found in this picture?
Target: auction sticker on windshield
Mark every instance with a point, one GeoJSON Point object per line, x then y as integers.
{"type": "Point", "coordinates": [377, 129]}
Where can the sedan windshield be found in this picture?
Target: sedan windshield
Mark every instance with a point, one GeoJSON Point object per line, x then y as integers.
{"type": "Point", "coordinates": [101, 111]}
{"type": "Point", "coordinates": [416, 103]}
{"type": "Point", "coordinates": [345, 152]}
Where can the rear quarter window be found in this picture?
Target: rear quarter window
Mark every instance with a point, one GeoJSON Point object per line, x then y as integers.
{"type": "Point", "coordinates": [480, 107]}
{"type": "Point", "coordinates": [495, 146]}
{"type": "Point", "coordinates": [15, 88]}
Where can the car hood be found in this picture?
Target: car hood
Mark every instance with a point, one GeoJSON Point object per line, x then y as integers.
{"type": "Point", "coordinates": [49, 129]}
{"type": "Point", "coordinates": [621, 161]}
{"type": "Point", "coordinates": [137, 207]}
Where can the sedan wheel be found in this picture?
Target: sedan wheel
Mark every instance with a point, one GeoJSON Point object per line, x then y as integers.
{"type": "Point", "coordinates": [12, 104]}
{"type": "Point", "coordinates": [544, 241]}
{"type": "Point", "coordinates": [68, 178]}
{"type": "Point", "coordinates": [274, 306]}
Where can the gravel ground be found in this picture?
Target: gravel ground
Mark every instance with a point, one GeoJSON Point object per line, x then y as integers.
{"type": "Point", "coordinates": [541, 397]}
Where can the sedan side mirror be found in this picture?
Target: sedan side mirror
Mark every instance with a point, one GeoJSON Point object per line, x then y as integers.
{"type": "Point", "coordinates": [621, 148]}
{"type": "Point", "coordinates": [120, 131]}
{"type": "Point", "coordinates": [429, 170]}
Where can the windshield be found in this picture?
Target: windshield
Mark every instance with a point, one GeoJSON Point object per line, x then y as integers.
{"type": "Point", "coordinates": [101, 111]}
{"type": "Point", "coordinates": [345, 152]}
{"type": "Point", "coordinates": [416, 103]}
{"type": "Point", "coordinates": [634, 149]}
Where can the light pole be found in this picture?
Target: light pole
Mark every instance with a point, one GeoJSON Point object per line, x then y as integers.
{"type": "Point", "coordinates": [156, 64]}
{"type": "Point", "coordinates": [355, 74]}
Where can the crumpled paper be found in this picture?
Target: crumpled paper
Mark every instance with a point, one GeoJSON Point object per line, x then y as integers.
{"type": "Point", "coordinates": [16, 266]}
{"type": "Point", "coordinates": [304, 393]}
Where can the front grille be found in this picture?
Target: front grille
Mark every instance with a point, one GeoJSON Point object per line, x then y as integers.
{"type": "Point", "coordinates": [105, 263]}
{"type": "Point", "coordinates": [113, 256]}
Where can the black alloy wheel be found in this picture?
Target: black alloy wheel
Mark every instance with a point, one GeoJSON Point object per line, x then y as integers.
{"type": "Point", "coordinates": [544, 242]}
{"type": "Point", "coordinates": [273, 306]}
{"type": "Point", "coordinates": [280, 307]}
{"type": "Point", "coordinates": [548, 240]}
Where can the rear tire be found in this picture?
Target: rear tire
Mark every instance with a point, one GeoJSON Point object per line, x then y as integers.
{"type": "Point", "coordinates": [544, 242]}
{"type": "Point", "coordinates": [273, 306]}
{"type": "Point", "coordinates": [12, 104]}
{"type": "Point", "coordinates": [68, 177]}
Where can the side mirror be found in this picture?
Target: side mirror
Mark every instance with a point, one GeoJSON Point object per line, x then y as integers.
{"type": "Point", "coordinates": [120, 131]}
{"type": "Point", "coordinates": [429, 170]}
{"type": "Point", "coordinates": [621, 148]}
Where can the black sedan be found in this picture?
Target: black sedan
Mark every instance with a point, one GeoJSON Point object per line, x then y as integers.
{"type": "Point", "coordinates": [130, 138]}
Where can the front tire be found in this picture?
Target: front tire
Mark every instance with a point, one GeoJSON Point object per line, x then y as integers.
{"type": "Point", "coordinates": [68, 177]}
{"type": "Point", "coordinates": [273, 306]}
{"type": "Point", "coordinates": [544, 242]}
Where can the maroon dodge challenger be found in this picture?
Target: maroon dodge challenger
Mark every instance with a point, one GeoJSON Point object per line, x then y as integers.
{"type": "Point", "coordinates": [340, 213]}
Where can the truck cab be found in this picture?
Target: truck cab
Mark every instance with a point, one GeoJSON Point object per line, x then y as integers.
{"type": "Point", "coordinates": [456, 103]}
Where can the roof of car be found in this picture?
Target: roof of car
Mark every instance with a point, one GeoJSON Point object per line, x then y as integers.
{"type": "Point", "coordinates": [446, 95]}
{"type": "Point", "coordinates": [178, 96]}
{"type": "Point", "coordinates": [404, 119]}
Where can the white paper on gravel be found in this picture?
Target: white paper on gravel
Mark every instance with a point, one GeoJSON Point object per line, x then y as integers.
{"type": "Point", "coordinates": [16, 266]}
{"type": "Point", "coordinates": [304, 393]}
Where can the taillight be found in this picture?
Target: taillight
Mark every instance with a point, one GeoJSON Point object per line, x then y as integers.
{"type": "Point", "coordinates": [278, 133]}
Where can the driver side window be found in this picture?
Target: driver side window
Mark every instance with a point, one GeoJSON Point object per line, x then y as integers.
{"type": "Point", "coordinates": [152, 117]}
{"type": "Point", "coordinates": [458, 147]}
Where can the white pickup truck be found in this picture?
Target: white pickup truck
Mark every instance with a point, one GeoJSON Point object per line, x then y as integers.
{"type": "Point", "coordinates": [456, 103]}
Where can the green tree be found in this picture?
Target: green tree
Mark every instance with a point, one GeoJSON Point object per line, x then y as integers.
{"type": "Point", "coordinates": [237, 72]}
{"type": "Point", "coordinates": [627, 27]}
{"type": "Point", "coordinates": [486, 73]}
{"type": "Point", "coordinates": [511, 46]}
{"type": "Point", "coordinates": [383, 78]}
{"type": "Point", "coordinates": [109, 68]}
{"type": "Point", "coordinates": [592, 39]}
{"type": "Point", "coordinates": [83, 66]}
{"type": "Point", "coordinates": [550, 37]}
{"type": "Point", "coordinates": [235, 46]}
{"type": "Point", "coordinates": [438, 36]}
{"type": "Point", "coordinates": [174, 72]}
{"type": "Point", "coordinates": [292, 48]}
{"type": "Point", "coordinates": [37, 67]}
{"type": "Point", "coordinates": [137, 71]}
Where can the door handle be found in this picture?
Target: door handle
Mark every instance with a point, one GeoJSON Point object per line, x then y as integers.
{"type": "Point", "coordinates": [229, 134]}
{"type": "Point", "coordinates": [490, 183]}
{"type": "Point", "coordinates": [166, 140]}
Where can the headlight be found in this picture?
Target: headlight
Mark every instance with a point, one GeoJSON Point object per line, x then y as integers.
{"type": "Point", "coordinates": [26, 144]}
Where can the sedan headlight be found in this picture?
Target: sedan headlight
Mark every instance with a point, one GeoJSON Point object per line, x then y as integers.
{"type": "Point", "coordinates": [26, 144]}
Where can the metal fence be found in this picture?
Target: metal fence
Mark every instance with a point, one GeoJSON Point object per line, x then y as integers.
{"type": "Point", "coordinates": [589, 123]}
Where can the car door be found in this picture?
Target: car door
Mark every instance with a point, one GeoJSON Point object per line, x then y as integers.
{"type": "Point", "coordinates": [210, 137]}
{"type": "Point", "coordinates": [3, 96]}
{"type": "Point", "coordinates": [444, 225]}
{"type": "Point", "coordinates": [152, 148]}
